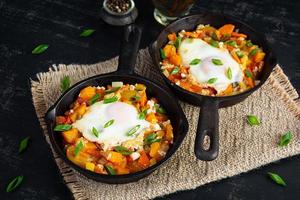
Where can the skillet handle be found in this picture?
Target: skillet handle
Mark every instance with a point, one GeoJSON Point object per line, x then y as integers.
{"type": "Point", "coordinates": [208, 124]}
{"type": "Point", "coordinates": [129, 49]}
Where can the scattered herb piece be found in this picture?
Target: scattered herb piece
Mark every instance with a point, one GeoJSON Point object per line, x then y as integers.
{"type": "Point", "coordinates": [277, 179]}
{"type": "Point", "coordinates": [40, 49]}
{"type": "Point", "coordinates": [239, 54]}
{"type": "Point", "coordinates": [87, 32]}
{"type": "Point", "coordinates": [160, 109]}
{"type": "Point", "coordinates": [212, 80]}
{"type": "Point", "coordinates": [123, 150]}
{"type": "Point", "coordinates": [249, 43]}
{"type": "Point", "coordinates": [65, 83]}
{"type": "Point", "coordinates": [114, 89]}
{"type": "Point", "coordinates": [285, 139]}
{"type": "Point", "coordinates": [143, 114]}
{"type": "Point", "coordinates": [162, 54]}
{"type": "Point", "coordinates": [133, 130]}
{"type": "Point", "coordinates": [94, 99]}
{"type": "Point", "coordinates": [78, 147]}
{"type": "Point", "coordinates": [95, 132]}
{"type": "Point", "coordinates": [248, 73]}
{"type": "Point", "coordinates": [136, 98]}
{"type": "Point", "coordinates": [214, 43]}
{"type": "Point", "coordinates": [196, 61]}
{"type": "Point", "coordinates": [110, 100]}
{"type": "Point", "coordinates": [216, 61]}
{"type": "Point", "coordinates": [253, 52]}
{"type": "Point", "coordinates": [253, 120]}
{"type": "Point", "coordinates": [214, 36]}
{"type": "Point", "coordinates": [175, 70]}
{"type": "Point", "coordinates": [226, 37]}
{"type": "Point", "coordinates": [231, 43]}
{"type": "Point", "coordinates": [109, 123]}
{"type": "Point", "coordinates": [13, 184]}
{"type": "Point", "coordinates": [229, 73]}
{"type": "Point", "coordinates": [177, 42]}
{"type": "Point", "coordinates": [23, 144]}
{"type": "Point", "coordinates": [110, 170]}
{"type": "Point", "coordinates": [62, 127]}
{"type": "Point", "coordinates": [151, 138]}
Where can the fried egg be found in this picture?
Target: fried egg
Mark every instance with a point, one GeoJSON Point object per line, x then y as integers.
{"type": "Point", "coordinates": [207, 69]}
{"type": "Point", "coordinates": [112, 122]}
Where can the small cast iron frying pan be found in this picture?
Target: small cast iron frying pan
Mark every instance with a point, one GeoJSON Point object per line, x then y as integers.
{"type": "Point", "coordinates": [208, 124]}
{"type": "Point", "coordinates": [124, 73]}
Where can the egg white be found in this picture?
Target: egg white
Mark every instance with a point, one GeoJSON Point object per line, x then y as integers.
{"type": "Point", "coordinates": [125, 117]}
{"type": "Point", "coordinates": [191, 49]}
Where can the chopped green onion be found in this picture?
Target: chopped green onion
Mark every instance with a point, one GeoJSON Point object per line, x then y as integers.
{"type": "Point", "coordinates": [78, 147]}
{"type": "Point", "coordinates": [13, 184]}
{"type": "Point", "coordinates": [143, 114]}
{"type": "Point", "coordinates": [175, 70]}
{"type": "Point", "coordinates": [162, 54]}
{"type": "Point", "coordinates": [214, 43]}
{"type": "Point", "coordinates": [110, 100]}
{"type": "Point", "coordinates": [133, 130]}
{"type": "Point", "coordinates": [231, 43]}
{"type": "Point", "coordinates": [253, 52]}
{"type": "Point", "coordinates": [253, 120]}
{"type": "Point", "coordinates": [151, 138]}
{"type": "Point", "coordinates": [216, 61]}
{"type": "Point", "coordinates": [226, 37]}
{"type": "Point", "coordinates": [40, 49]}
{"type": "Point", "coordinates": [117, 84]}
{"type": "Point", "coordinates": [212, 80]}
{"type": "Point", "coordinates": [87, 32]}
{"type": "Point", "coordinates": [110, 170]}
{"type": "Point", "coordinates": [177, 42]}
{"type": "Point", "coordinates": [285, 139]}
{"type": "Point", "coordinates": [109, 123]}
{"type": "Point", "coordinates": [23, 144]}
{"type": "Point", "coordinates": [196, 61]}
{"type": "Point", "coordinates": [277, 179]}
{"type": "Point", "coordinates": [239, 54]}
{"type": "Point", "coordinates": [123, 150]}
{"type": "Point", "coordinates": [229, 73]}
{"type": "Point", "coordinates": [249, 43]}
{"type": "Point", "coordinates": [95, 132]}
{"type": "Point", "coordinates": [214, 36]}
{"type": "Point", "coordinates": [136, 98]}
{"type": "Point", "coordinates": [160, 109]}
{"type": "Point", "coordinates": [94, 99]}
{"type": "Point", "coordinates": [248, 73]}
{"type": "Point", "coordinates": [62, 127]}
{"type": "Point", "coordinates": [114, 89]}
{"type": "Point", "coordinates": [65, 83]}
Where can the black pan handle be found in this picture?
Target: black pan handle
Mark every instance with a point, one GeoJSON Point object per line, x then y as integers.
{"type": "Point", "coordinates": [129, 49]}
{"type": "Point", "coordinates": [208, 124]}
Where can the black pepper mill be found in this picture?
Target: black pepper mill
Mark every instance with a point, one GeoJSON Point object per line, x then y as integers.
{"type": "Point", "coordinates": [119, 12]}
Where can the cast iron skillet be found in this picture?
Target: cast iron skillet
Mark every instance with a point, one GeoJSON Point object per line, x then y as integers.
{"type": "Point", "coordinates": [208, 124]}
{"type": "Point", "coordinates": [124, 73]}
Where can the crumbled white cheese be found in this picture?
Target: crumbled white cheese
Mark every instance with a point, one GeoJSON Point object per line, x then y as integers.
{"type": "Point", "coordinates": [131, 87]}
{"type": "Point", "coordinates": [183, 75]}
{"type": "Point", "coordinates": [71, 111]}
{"type": "Point", "coordinates": [177, 83]}
{"type": "Point", "coordinates": [100, 88]}
{"type": "Point", "coordinates": [151, 104]}
{"type": "Point", "coordinates": [135, 155]}
{"type": "Point", "coordinates": [156, 127]}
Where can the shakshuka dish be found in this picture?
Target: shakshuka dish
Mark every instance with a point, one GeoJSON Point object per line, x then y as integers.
{"type": "Point", "coordinates": [115, 129]}
{"type": "Point", "coordinates": [212, 61]}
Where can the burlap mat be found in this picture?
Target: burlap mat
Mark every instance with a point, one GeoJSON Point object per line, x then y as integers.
{"type": "Point", "coordinates": [242, 147]}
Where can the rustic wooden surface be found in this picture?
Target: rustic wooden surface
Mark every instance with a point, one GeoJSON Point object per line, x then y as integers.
{"type": "Point", "coordinates": [27, 23]}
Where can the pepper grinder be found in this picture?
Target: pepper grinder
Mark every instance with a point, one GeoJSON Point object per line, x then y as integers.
{"type": "Point", "coordinates": [118, 12]}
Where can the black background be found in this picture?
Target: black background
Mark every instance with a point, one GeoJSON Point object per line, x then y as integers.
{"type": "Point", "coordinates": [27, 23]}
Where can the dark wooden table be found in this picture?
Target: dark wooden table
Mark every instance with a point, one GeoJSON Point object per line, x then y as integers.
{"type": "Point", "coordinates": [26, 23]}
